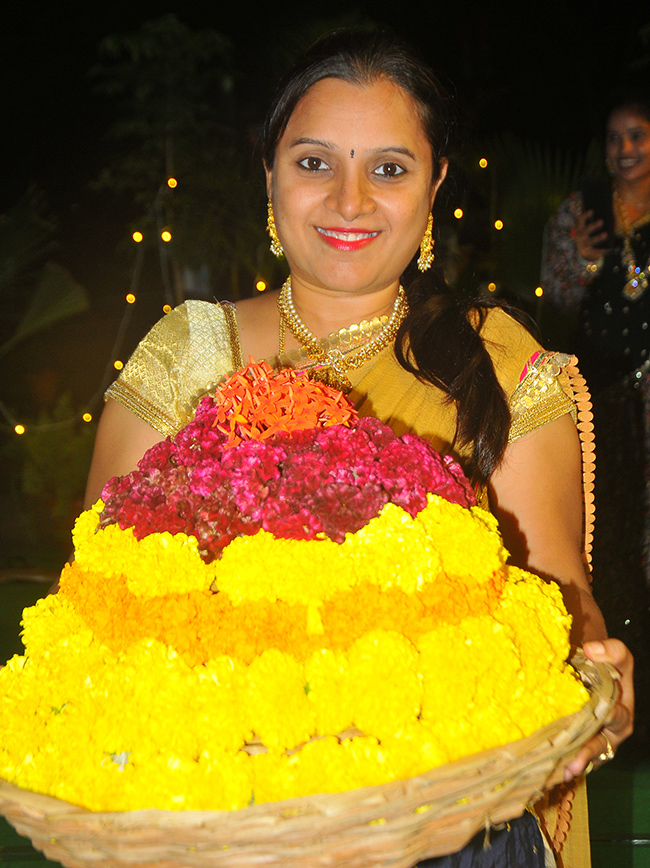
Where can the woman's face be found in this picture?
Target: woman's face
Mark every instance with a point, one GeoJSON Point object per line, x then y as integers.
{"type": "Point", "coordinates": [352, 186]}
{"type": "Point", "coordinates": [628, 145]}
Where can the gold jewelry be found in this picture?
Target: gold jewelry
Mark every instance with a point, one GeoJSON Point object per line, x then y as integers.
{"type": "Point", "coordinates": [332, 362]}
{"type": "Point", "coordinates": [426, 247]}
{"type": "Point", "coordinates": [276, 247]}
{"type": "Point", "coordinates": [589, 768]}
{"type": "Point", "coordinates": [637, 279]}
{"type": "Point", "coordinates": [608, 753]}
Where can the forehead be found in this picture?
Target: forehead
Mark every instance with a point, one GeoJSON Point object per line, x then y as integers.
{"type": "Point", "coordinates": [376, 115]}
{"type": "Point", "coordinates": [626, 118]}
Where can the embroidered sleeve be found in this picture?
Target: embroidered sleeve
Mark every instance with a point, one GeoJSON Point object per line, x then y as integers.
{"type": "Point", "coordinates": [540, 395]}
{"type": "Point", "coordinates": [565, 274]}
{"type": "Point", "coordinates": [551, 386]}
{"type": "Point", "coordinates": [179, 361]}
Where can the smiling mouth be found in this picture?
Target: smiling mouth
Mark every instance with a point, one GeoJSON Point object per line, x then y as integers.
{"type": "Point", "coordinates": [340, 235]}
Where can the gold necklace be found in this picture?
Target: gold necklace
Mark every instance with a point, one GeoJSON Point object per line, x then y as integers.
{"type": "Point", "coordinates": [333, 363]}
{"type": "Point", "coordinates": [637, 278]}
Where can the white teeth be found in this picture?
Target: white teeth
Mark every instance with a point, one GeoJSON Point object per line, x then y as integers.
{"type": "Point", "coordinates": [347, 236]}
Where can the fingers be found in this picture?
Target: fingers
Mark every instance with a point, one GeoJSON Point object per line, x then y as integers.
{"type": "Point", "coordinates": [602, 747]}
{"type": "Point", "coordinates": [589, 235]}
{"type": "Point", "coordinates": [596, 752]}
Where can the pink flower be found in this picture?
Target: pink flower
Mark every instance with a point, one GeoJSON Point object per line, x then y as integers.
{"type": "Point", "coordinates": [330, 480]}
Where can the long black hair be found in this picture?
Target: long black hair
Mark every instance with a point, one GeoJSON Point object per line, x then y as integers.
{"type": "Point", "coordinates": [439, 340]}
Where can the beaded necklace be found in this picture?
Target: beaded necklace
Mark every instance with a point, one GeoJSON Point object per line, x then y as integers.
{"type": "Point", "coordinates": [637, 277]}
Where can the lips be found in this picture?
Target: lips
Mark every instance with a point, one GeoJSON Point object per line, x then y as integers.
{"type": "Point", "coordinates": [346, 239]}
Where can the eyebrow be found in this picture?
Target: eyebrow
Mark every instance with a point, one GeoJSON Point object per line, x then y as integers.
{"type": "Point", "coordinates": [388, 149]}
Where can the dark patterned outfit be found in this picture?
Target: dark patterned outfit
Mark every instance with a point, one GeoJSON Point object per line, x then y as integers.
{"type": "Point", "coordinates": [612, 342]}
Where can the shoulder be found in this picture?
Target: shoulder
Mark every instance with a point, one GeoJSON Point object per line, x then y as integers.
{"type": "Point", "coordinates": [179, 329]}
{"type": "Point", "coordinates": [570, 208]}
{"type": "Point", "coordinates": [510, 346]}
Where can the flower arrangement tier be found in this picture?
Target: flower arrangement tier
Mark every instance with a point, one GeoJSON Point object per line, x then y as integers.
{"type": "Point", "coordinates": [284, 599]}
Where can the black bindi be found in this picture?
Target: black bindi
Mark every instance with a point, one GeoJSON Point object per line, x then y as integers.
{"type": "Point", "coordinates": [352, 154]}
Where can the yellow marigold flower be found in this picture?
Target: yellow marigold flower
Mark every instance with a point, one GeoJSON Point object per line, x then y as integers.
{"type": "Point", "coordinates": [418, 748]}
{"type": "Point", "coordinates": [255, 568]}
{"type": "Point", "coordinates": [328, 690]}
{"type": "Point", "coordinates": [161, 563]}
{"type": "Point", "coordinates": [385, 687]}
{"type": "Point", "coordinates": [468, 540]}
{"type": "Point", "coordinates": [50, 620]}
{"type": "Point", "coordinates": [278, 708]}
{"type": "Point", "coordinates": [392, 550]}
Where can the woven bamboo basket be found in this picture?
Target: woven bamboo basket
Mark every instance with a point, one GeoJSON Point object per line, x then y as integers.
{"type": "Point", "coordinates": [395, 824]}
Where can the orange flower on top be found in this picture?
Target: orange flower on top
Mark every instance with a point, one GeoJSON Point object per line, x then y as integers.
{"type": "Point", "coordinates": [258, 402]}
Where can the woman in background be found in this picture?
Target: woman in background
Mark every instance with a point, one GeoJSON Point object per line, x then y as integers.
{"type": "Point", "coordinates": [597, 264]}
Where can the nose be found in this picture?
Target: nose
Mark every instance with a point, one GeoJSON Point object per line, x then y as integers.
{"type": "Point", "coordinates": [350, 194]}
{"type": "Point", "coordinates": [627, 145]}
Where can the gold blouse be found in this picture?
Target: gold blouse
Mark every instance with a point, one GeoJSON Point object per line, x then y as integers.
{"type": "Point", "coordinates": [193, 347]}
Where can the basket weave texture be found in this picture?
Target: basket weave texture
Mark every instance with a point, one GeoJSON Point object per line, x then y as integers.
{"type": "Point", "coordinates": [395, 824]}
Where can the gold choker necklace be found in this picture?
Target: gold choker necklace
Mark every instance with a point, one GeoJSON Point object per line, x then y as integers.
{"type": "Point", "coordinates": [332, 361]}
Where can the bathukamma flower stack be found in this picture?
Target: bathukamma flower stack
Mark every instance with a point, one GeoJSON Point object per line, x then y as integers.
{"type": "Point", "coordinates": [283, 599]}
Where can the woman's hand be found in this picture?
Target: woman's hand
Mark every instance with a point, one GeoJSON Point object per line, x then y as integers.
{"type": "Point", "coordinates": [588, 235]}
{"type": "Point", "coordinates": [619, 726]}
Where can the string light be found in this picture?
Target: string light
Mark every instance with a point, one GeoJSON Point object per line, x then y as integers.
{"type": "Point", "coordinates": [130, 298]}
{"type": "Point", "coordinates": [261, 285]}
{"type": "Point", "coordinates": [118, 365]}
{"type": "Point", "coordinates": [137, 237]}
{"type": "Point", "coordinates": [87, 417]}
{"type": "Point", "coordinates": [172, 183]}
{"type": "Point", "coordinates": [498, 224]}
{"type": "Point", "coordinates": [539, 291]}
{"type": "Point", "coordinates": [166, 235]}
{"type": "Point", "coordinates": [167, 308]}
{"type": "Point", "coordinates": [458, 213]}
{"type": "Point", "coordinates": [492, 287]}
{"type": "Point", "coordinates": [483, 163]}
{"type": "Point", "coordinates": [19, 429]}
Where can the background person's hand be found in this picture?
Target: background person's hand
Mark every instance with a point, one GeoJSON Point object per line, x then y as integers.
{"type": "Point", "coordinates": [589, 235]}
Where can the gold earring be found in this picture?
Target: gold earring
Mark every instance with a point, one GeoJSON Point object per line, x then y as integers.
{"type": "Point", "coordinates": [426, 247]}
{"type": "Point", "coordinates": [276, 247]}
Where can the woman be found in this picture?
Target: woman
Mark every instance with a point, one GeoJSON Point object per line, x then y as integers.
{"type": "Point", "coordinates": [354, 156]}
{"type": "Point", "coordinates": [597, 264]}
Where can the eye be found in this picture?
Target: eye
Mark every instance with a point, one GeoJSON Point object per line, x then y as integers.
{"type": "Point", "coordinates": [313, 164]}
{"type": "Point", "coordinates": [389, 170]}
